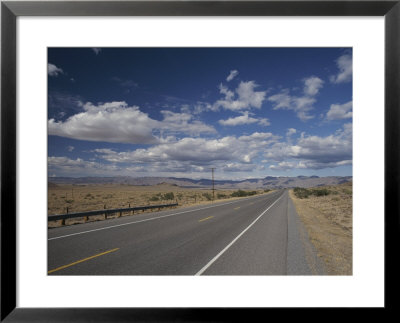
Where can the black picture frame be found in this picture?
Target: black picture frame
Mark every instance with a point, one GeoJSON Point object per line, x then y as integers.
{"type": "Point", "coordinates": [10, 10]}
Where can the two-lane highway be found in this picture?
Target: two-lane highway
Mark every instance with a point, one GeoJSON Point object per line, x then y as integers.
{"type": "Point", "coordinates": [247, 236]}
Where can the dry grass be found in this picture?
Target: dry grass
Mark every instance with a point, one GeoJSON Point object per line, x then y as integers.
{"type": "Point", "coordinates": [329, 223]}
{"type": "Point", "coordinates": [79, 198]}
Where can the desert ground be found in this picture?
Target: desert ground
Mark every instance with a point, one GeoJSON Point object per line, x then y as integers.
{"type": "Point", "coordinates": [78, 198]}
{"type": "Point", "coordinates": [327, 213]}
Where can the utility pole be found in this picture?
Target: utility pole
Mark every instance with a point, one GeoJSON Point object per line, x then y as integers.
{"type": "Point", "coordinates": [213, 189]}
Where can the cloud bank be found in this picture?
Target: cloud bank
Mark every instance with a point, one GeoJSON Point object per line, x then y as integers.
{"type": "Point", "coordinates": [116, 122]}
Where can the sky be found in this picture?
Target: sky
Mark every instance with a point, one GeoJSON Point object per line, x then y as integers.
{"type": "Point", "coordinates": [178, 112]}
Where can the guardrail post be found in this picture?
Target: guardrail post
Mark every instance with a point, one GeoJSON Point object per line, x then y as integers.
{"type": "Point", "coordinates": [63, 220]}
{"type": "Point", "coordinates": [105, 213]}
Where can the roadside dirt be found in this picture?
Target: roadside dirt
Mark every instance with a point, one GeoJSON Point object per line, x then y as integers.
{"type": "Point", "coordinates": [328, 220]}
{"type": "Point", "coordinates": [80, 198]}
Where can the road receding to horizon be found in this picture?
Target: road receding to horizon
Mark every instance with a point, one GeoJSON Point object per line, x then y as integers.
{"type": "Point", "coordinates": [260, 235]}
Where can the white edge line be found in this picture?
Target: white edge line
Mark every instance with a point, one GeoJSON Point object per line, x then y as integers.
{"type": "Point", "coordinates": [202, 270]}
{"type": "Point", "coordinates": [145, 220]}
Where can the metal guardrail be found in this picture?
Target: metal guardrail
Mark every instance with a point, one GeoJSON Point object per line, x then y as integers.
{"type": "Point", "coordinates": [105, 212]}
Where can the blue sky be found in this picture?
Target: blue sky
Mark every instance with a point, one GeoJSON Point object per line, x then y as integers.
{"type": "Point", "coordinates": [248, 112]}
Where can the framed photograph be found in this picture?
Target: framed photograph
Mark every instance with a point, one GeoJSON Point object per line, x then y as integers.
{"type": "Point", "coordinates": [172, 160]}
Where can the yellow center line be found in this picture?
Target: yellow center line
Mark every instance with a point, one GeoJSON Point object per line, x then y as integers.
{"type": "Point", "coordinates": [82, 260]}
{"type": "Point", "coordinates": [236, 208]}
{"type": "Point", "coordinates": [206, 218]}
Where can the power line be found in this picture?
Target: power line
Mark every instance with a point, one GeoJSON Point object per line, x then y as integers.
{"type": "Point", "coordinates": [213, 189]}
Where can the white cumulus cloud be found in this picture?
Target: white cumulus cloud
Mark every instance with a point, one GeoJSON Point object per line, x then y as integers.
{"type": "Point", "coordinates": [232, 75]}
{"type": "Point", "coordinates": [244, 97]}
{"type": "Point", "coordinates": [116, 122]}
{"type": "Point", "coordinates": [340, 111]}
{"type": "Point", "coordinates": [284, 165]}
{"type": "Point", "coordinates": [315, 152]}
{"type": "Point", "coordinates": [291, 131]}
{"type": "Point", "coordinates": [312, 85]}
{"type": "Point", "coordinates": [183, 123]}
{"type": "Point", "coordinates": [96, 50]}
{"type": "Point", "coordinates": [345, 66]}
{"type": "Point", "coordinates": [54, 70]}
{"type": "Point", "coordinates": [196, 151]}
{"type": "Point", "coordinates": [109, 122]}
{"type": "Point", "coordinates": [65, 166]}
{"type": "Point", "coordinates": [244, 119]}
{"type": "Point", "coordinates": [302, 105]}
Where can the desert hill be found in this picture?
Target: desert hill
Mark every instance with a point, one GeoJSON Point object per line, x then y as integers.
{"type": "Point", "coordinates": [268, 182]}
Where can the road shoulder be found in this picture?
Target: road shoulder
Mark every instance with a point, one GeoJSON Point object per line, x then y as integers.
{"type": "Point", "coordinates": [302, 258]}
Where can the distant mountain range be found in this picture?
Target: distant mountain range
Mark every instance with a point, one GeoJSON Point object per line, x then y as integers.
{"type": "Point", "coordinates": [253, 183]}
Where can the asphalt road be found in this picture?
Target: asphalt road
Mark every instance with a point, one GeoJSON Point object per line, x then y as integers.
{"type": "Point", "coordinates": [260, 235]}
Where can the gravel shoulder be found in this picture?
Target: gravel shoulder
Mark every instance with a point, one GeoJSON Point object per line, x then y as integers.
{"type": "Point", "coordinates": [302, 257]}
